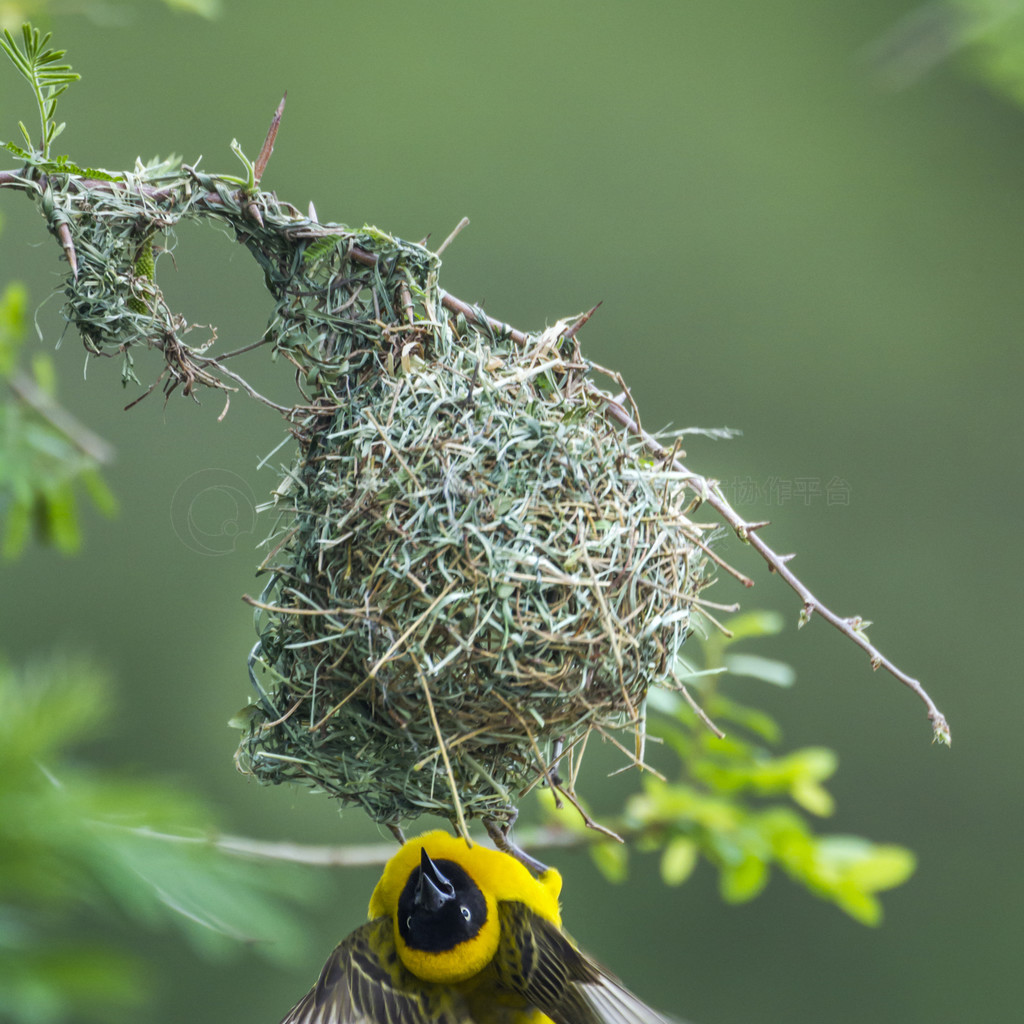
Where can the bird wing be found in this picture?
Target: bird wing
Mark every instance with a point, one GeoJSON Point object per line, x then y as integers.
{"type": "Point", "coordinates": [364, 982]}
{"type": "Point", "coordinates": [537, 960]}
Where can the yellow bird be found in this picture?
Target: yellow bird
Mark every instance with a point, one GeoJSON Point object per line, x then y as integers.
{"type": "Point", "coordinates": [461, 934]}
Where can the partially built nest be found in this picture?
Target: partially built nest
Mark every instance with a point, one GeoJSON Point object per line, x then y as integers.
{"type": "Point", "coordinates": [473, 567]}
{"type": "Point", "coordinates": [107, 225]}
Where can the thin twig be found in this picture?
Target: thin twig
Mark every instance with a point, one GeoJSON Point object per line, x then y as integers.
{"type": "Point", "coordinates": [464, 223]}
{"type": "Point", "coordinates": [710, 492]}
{"type": "Point", "coordinates": [287, 411]}
{"type": "Point", "coordinates": [375, 854]}
{"type": "Point", "coordinates": [60, 419]}
{"type": "Point", "coordinates": [700, 712]}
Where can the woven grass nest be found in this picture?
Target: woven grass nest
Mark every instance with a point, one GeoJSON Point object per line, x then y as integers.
{"type": "Point", "coordinates": [473, 570]}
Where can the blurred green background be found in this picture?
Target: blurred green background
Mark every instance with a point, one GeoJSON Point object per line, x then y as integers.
{"type": "Point", "coordinates": [783, 244]}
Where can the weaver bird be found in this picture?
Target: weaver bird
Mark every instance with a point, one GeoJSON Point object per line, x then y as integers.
{"type": "Point", "coordinates": [460, 934]}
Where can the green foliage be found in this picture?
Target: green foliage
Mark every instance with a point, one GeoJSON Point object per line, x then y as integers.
{"type": "Point", "coordinates": [49, 79]}
{"type": "Point", "coordinates": [992, 31]}
{"type": "Point", "coordinates": [77, 848]}
{"type": "Point", "coordinates": [987, 36]}
{"type": "Point", "coordinates": [45, 455]}
{"type": "Point", "coordinates": [60, 164]}
{"type": "Point", "coordinates": [14, 12]}
{"type": "Point", "coordinates": [739, 805]}
{"type": "Point", "coordinates": [204, 8]}
{"type": "Point", "coordinates": [13, 303]}
{"type": "Point", "coordinates": [248, 183]}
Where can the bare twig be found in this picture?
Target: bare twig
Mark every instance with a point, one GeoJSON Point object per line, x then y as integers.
{"type": "Point", "coordinates": [464, 223]}
{"type": "Point", "coordinates": [701, 713]}
{"type": "Point", "coordinates": [709, 491]}
{"type": "Point", "coordinates": [373, 854]}
{"type": "Point", "coordinates": [286, 411]}
{"type": "Point", "coordinates": [57, 416]}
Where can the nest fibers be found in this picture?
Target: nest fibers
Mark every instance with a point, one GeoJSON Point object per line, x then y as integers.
{"type": "Point", "coordinates": [473, 567]}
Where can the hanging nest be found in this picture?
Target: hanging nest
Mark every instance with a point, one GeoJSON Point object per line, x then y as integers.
{"type": "Point", "coordinates": [473, 567]}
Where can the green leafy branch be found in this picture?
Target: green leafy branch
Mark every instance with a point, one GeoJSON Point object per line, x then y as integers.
{"type": "Point", "coordinates": [49, 79]}
{"type": "Point", "coordinates": [739, 805]}
{"type": "Point", "coordinates": [986, 38]}
{"type": "Point", "coordinates": [46, 455]}
{"type": "Point", "coordinates": [77, 847]}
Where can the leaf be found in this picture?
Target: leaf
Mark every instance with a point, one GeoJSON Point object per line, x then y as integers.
{"type": "Point", "coordinates": [612, 860]}
{"type": "Point", "coordinates": [46, 455]}
{"type": "Point", "coordinates": [204, 8]}
{"type": "Point", "coordinates": [16, 530]}
{"type": "Point", "coordinates": [885, 868]}
{"type": "Point", "coordinates": [47, 706]}
{"type": "Point", "coordinates": [13, 304]}
{"type": "Point", "coordinates": [861, 906]}
{"type": "Point", "coordinates": [753, 720]}
{"type": "Point", "coordinates": [742, 881]}
{"type": "Point", "coordinates": [767, 670]}
{"type": "Point", "coordinates": [12, 147]}
{"type": "Point", "coordinates": [60, 981]}
{"type": "Point", "coordinates": [678, 860]}
{"type": "Point", "coordinates": [65, 165]}
{"type": "Point", "coordinates": [812, 797]}
{"type": "Point", "coordinates": [57, 520]}
{"type": "Point", "coordinates": [754, 624]}
{"type": "Point", "coordinates": [216, 900]}
{"type": "Point", "coordinates": [45, 374]}
{"type": "Point", "coordinates": [102, 497]}
{"type": "Point", "coordinates": [868, 866]}
{"type": "Point", "coordinates": [718, 805]}
{"type": "Point", "coordinates": [48, 79]}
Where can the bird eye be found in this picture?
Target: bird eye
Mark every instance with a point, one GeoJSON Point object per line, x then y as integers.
{"type": "Point", "coordinates": [465, 913]}
{"type": "Point", "coordinates": [408, 923]}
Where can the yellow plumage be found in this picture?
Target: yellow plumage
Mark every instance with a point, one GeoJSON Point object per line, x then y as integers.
{"type": "Point", "coordinates": [462, 934]}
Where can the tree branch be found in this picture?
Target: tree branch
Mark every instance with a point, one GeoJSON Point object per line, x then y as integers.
{"type": "Point", "coordinates": [215, 201]}
{"type": "Point", "coordinates": [710, 492]}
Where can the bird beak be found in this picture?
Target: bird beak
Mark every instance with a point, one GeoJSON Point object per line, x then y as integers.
{"type": "Point", "coordinates": [434, 890]}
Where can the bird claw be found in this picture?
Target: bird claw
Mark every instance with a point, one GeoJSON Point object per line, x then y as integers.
{"type": "Point", "coordinates": [499, 834]}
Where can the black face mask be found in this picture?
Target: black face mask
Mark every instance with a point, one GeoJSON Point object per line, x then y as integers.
{"type": "Point", "coordinates": [440, 906]}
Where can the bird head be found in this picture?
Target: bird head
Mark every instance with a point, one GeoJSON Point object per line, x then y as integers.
{"type": "Point", "coordinates": [440, 907]}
